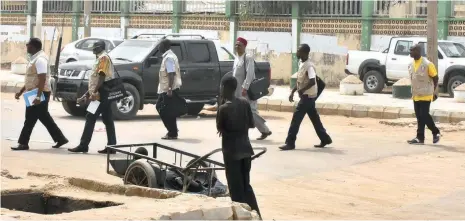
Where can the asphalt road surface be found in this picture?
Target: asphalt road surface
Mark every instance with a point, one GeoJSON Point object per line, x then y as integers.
{"type": "Point", "coordinates": [368, 172]}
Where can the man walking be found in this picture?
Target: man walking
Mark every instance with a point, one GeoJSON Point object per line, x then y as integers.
{"type": "Point", "coordinates": [38, 77]}
{"type": "Point", "coordinates": [244, 72]}
{"type": "Point", "coordinates": [168, 89]}
{"type": "Point", "coordinates": [308, 92]}
{"type": "Point", "coordinates": [424, 78]}
{"type": "Point", "coordinates": [102, 71]}
{"type": "Point", "coordinates": [233, 121]}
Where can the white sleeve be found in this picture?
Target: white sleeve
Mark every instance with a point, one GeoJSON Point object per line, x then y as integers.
{"type": "Point", "coordinates": [41, 66]}
{"type": "Point", "coordinates": [311, 72]}
{"type": "Point", "coordinates": [170, 65]}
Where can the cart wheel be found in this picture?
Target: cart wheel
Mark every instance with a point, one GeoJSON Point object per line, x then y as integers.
{"type": "Point", "coordinates": [141, 173]}
{"type": "Point", "coordinates": [201, 164]}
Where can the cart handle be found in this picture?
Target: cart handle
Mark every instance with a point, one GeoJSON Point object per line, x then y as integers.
{"type": "Point", "coordinates": [262, 151]}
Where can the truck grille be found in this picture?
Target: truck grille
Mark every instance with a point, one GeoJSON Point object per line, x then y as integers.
{"type": "Point", "coordinates": [69, 73]}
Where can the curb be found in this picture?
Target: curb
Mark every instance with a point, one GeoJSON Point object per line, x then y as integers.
{"type": "Point", "coordinates": [363, 111]}
{"type": "Point", "coordinates": [11, 87]}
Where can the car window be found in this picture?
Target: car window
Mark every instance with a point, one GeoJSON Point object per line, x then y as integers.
{"type": "Point", "coordinates": [117, 43]}
{"type": "Point", "coordinates": [423, 46]}
{"type": "Point", "coordinates": [403, 47]}
{"type": "Point", "coordinates": [108, 45]}
{"type": "Point", "coordinates": [198, 52]}
{"type": "Point", "coordinates": [88, 44]}
{"type": "Point", "coordinates": [176, 48]}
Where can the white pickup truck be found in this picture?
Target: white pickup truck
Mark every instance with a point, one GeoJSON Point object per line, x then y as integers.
{"type": "Point", "coordinates": [377, 69]}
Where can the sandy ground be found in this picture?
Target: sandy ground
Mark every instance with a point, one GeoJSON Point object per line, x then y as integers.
{"type": "Point", "coordinates": [369, 172]}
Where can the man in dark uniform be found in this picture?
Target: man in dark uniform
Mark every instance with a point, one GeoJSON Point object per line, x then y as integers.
{"type": "Point", "coordinates": [38, 77]}
{"type": "Point", "coordinates": [233, 121]}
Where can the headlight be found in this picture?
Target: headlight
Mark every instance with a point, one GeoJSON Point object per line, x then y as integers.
{"type": "Point", "coordinates": [87, 74]}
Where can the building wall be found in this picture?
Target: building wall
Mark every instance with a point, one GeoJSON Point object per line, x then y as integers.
{"type": "Point", "coordinates": [269, 37]}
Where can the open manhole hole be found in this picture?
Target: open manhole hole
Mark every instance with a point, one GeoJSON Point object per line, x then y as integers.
{"type": "Point", "coordinates": [38, 202]}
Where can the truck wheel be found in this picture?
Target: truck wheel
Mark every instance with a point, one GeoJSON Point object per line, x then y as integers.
{"type": "Point", "coordinates": [194, 109]}
{"type": "Point", "coordinates": [373, 82]}
{"type": "Point", "coordinates": [454, 82]}
{"type": "Point", "coordinates": [71, 108]}
{"type": "Point", "coordinates": [126, 108]}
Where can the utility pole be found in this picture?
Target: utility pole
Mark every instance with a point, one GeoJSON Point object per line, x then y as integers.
{"type": "Point", "coordinates": [38, 28]}
{"type": "Point", "coordinates": [87, 13]}
{"type": "Point", "coordinates": [432, 23]}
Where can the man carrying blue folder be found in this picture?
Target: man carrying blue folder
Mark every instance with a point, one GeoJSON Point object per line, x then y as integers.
{"type": "Point", "coordinates": [37, 80]}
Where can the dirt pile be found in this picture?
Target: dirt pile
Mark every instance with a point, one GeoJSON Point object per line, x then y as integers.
{"type": "Point", "coordinates": [403, 82]}
{"type": "Point", "coordinates": [351, 79]}
{"type": "Point", "coordinates": [412, 122]}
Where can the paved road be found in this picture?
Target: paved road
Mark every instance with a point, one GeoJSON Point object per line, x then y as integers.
{"type": "Point", "coordinates": [308, 183]}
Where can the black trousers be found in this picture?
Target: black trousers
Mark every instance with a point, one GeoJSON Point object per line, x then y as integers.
{"type": "Point", "coordinates": [306, 106]}
{"type": "Point", "coordinates": [238, 177]}
{"type": "Point", "coordinates": [166, 107]}
{"type": "Point", "coordinates": [40, 112]}
{"type": "Point", "coordinates": [105, 110]}
{"type": "Point", "coordinates": [424, 118]}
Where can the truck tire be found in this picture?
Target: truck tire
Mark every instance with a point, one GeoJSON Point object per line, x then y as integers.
{"type": "Point", "coordinates": [373, 82]}
{"type": "Point", "coordinates": [127, 108]}
{"type": "Point", "coordinates": [71, 108]}
{"type": "Point", "coordinates": [454, 82]}
{"type": "Point", "coordinates": [194, 109]}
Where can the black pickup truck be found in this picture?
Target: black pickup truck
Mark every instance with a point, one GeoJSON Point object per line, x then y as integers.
{"type": "Point", "coordinates": [138, 62]}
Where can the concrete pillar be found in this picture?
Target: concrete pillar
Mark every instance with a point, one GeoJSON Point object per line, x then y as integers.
{"type": "Point", "coordinates": [38, 24]}
{"type": "Point", "coordinates": [31, 17]}
{"type": "Point", "coordinates": [444, 14]}
{"type": "Point", "coordinates": [87, 19]}
{"type": "Point", "coordinates": [124, 18]}
{"type": "Point", "coordinates": [296, 30]}
{"type": "Point", "coordinates": [177, 12]}
{"type": "Point", "coordinates": [75, 21]}
{"type": "Point", "coordinates": [367, 24]}
{"type": "Point", "coordinates": [432, 32]}
{"type": "Point", "coordinates": [233, 22]}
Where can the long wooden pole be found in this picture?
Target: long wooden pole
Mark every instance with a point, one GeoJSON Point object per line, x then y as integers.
{"type": "Point", "coordinates": [432, 23]}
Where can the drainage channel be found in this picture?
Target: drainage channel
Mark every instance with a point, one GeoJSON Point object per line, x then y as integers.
{"type": "Point", "coordinates": [41, 203]}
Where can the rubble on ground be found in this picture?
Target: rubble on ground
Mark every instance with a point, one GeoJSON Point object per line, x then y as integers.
{"type": "Point", "coordinates": [412, 122]}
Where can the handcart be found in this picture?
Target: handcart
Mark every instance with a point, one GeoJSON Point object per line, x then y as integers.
{"type": "Point", "coordinates": [198, 176]}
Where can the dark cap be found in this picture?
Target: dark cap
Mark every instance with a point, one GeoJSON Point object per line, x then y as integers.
{"type": "Point", "coordinates": [99, 44]}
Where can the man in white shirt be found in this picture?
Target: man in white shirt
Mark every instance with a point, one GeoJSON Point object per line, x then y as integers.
{"type": "Point", "coordinates": [244, 72]}
{"type": "Point", "coordinates": [308, 92]}
{"type": "Point", "coordinates": [168, 89]}
{"type": "Point", "coordinates": [37, 77]}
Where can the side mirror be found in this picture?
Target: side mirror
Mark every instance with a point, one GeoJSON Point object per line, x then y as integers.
{"type": "Point", "coordinates": [153, 60]}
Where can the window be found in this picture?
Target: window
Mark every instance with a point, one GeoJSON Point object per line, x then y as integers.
{"type": "Point", "coordinates": [403, 48]}
{"type": "Point", "coordinates": [198, 52]}
{"type": "Point", "coordinates": [424, 48]}
{"type": "Point", "coordinates": [117, 43]}
{"type": "Point", "coordinates": [176, 48]}
{"type": "Point", "coordinates": [88, 44]}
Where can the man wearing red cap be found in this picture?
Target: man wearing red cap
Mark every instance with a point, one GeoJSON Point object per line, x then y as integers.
{"type": "Point", "coordinates": [244, 72]}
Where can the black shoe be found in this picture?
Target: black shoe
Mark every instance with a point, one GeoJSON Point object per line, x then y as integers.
{"type": "Point", "coordinates": [106, 150]}
{"type": "Point", "coordinates": [60, 143]}
{"type": "Point", "coordinates": [324, 143]}
{"type": "Point", "coordinates": [287, 147]}
{"type": "Point", "coordinates": [168, 137]}
{"type": "Point", "coordinates": [416, 141]}
{"type": "Point", "coordinates": [79, 149]}
{"type": "Point", "coordinates": [20, 147]}
{"type": "Point", "coordinates": [264, 135]}
{"type": "Point", "coordinates": [436, 138]}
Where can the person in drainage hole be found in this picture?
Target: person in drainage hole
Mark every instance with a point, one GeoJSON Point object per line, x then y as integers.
{"type": "Point", "coordinates": [233, 121]}
{"type": "Point", "coordinates": [308, 92]}
{"type": "Point", "coordinates": [102, 71]}
{"type": "Point", "coordinates": [38, 77]}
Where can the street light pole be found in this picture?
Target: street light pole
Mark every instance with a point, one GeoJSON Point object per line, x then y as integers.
{"type": "Point", "coordinates": [432, 33]}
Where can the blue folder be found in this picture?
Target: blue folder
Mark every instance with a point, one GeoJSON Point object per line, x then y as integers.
{"type": "Point", "coordinates": [29, 97]}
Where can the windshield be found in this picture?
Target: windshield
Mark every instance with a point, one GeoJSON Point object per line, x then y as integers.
{"type": "Point", "coordinates": [452, 50]}
{"type": "Point", "coordinates": [132, 51]}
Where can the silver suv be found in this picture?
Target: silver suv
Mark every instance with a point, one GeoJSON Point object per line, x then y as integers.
{"type": "Point", "coordinates": [82, 49]}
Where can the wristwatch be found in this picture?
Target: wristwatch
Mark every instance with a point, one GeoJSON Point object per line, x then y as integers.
{"type": "Point", "coordinates": [37, 99]}
{"type": "Point", "coordinates": [170, 89]}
